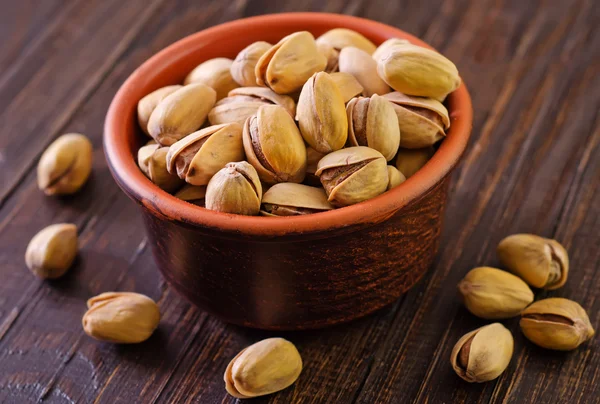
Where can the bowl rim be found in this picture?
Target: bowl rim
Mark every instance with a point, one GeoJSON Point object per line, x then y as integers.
{"type": "Point", "coordinates": [124, 169]}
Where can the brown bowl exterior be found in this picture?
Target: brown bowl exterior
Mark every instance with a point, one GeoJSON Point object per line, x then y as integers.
{"type": "Point", "coordinates": [289, 272]}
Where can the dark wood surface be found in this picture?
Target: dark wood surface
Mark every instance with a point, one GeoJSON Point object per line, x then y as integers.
{"type": "Point", "coordinates": [533, 165]}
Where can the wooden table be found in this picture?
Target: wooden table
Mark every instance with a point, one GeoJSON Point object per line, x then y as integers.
{"type": "Point", "coordinates": [533, 165]}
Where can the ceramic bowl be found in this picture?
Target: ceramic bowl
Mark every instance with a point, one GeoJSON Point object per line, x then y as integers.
{"type": "Point", "coordinates": [289, 272]}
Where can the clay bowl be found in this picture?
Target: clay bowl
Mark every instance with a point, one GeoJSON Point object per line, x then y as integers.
{"type": "Point", "coordinates": [288, 272]}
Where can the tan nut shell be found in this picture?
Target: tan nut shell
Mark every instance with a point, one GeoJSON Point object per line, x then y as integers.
{"type": "Point", "coordinates": [372, 122]}
{"type": "Point", "coordinates": [51, 252]}
{"type": "Point", "coordinates": [541, 262]}
{"type": "Point", "coordinates": [422, 121]}
{"type": "Point", "coordinates": [493, 294]}
{"type": "Point", "coordinates": [362, 66]}
{"type": "Point", "coordinates": [215, 73]}
{"type": "Point", "coordinates": [235, 189]}
{"type": "Point", "coordinates": [288, 194]}
{"type": "Point", "coordinates": [287, 65]}
{"type": "Point", "coordinates": [353, 175]}
{"type": "Point", "coordinates": [409, 161]}
{"type": "Point", "coordinates": [321, 114]}
{"type": "Point", "coordinates": [490, 353]}
{"type": "Point", "coordinates": [192, 194]}
{"type": "Point", "coordinates": [197, 157]}
{"type": "Point", "coordinates": [121, 317]}
{"type": "Point", "coordinates": [158, 173]}
{"type": "Point", "coordinates": [263, 368]}
{"type": "Point", "coordinates": [65, 165]}
{"type": "Point", "coordinates": [147, 104]}
{"type": "Point", "coordinates": [395, 177]}
{"type": "Point", "coordinates": [181, 113]}
{"type": "Point", "coordinates": [339, 38]}
{"type": "Point", "coordinates": [381, 49]}
{"type": "Point", "coordinates": [143, 156]}
{"type": "Point", "coordinates": [332, 55]}
{"type": "Point", "coordinates": [242, 68]}
{"type": "Point", "coordinates": [347, 84]}
{"type": "Point", "coordinates": [556, 323]}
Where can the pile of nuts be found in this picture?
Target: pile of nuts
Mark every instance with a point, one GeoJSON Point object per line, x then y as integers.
{"type": "Point", "coordinates": [553, 323]}
{"type": "Point", "coordinates": [299, 127]}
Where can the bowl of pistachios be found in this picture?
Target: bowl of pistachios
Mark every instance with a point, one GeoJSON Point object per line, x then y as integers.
{"type": "Point", "coordinates": [292, 170]}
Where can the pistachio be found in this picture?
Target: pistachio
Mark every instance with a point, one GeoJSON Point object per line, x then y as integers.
{"type": "Point", "coordinates": [197, 157]}
{"type": "Point", "coordinates": [347, 84]}
{"type": "Point", "coordinates": [144, 154]}
{"type": "Point", "coordinates": [483, 354]}
{"type": "Point", "coordinates": [492, 294]}
{"type": "Point", "coordinates": [51, 252]}
{"type": "Point", "coordinates": [181, 113]}
{"type": "Point", "coordinates": [242, 68]}
{"type": "Point", "coordinates": [331, 54]}
{"type": "Point", "coordinates": [235, 189]}
{"type": "Point", "coordinates": [312, 159]}
{"type": "Point", "coordinates": [263, 368]}
{"type": "Point", "coordinates": [244, 102]}
{"type": "Point", "coordinates": [353, 175]}
{"type": "Point", "coordinates": [147, 104]}
{"type": "Point", "coordinates": [381, 49]}
{"type": "Point", "coordinates": [541, 262]}
{"type": "Point", "coordinates": [362, 66]}
{"type": "Point", "coordinates": [192, 194]}
{"type": "Point", "coordinates": [121, 317]}
{"type": "Point", "coordinates": [215, 73]}
{"type": "Point", "coordinates": [556, 323]}
{"type": "Point", "coordinates": [321, 114]}
{"type": "Point", "coordinates": [414, 70]}
{"type": "Point", "coordinates": [340, 38]}
{"type": "Point", "coordinates": [423, 121]}
{"type": "Point", "coordinates": [287, 65]}
{"type": "Point", "coordinates": [372, 122]}
{"type": "Point", "coordinates": [290, 199]}
{"type": "Point", "coordinates": [152, 160]}
{"type": "Point", "coordinates": [395, 177]}
{"type": "Point", "coordinates": [65, 165]}
{"type": "Point", "coordinates": [409, 161]}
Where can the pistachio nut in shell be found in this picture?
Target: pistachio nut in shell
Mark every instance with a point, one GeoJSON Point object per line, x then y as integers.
{"type": "Point", "coordinates": [143, 156]}
{"type": "Point", "coordinates": [242, 68]}
{"type": "Point", "coordinates": [340, 38]}
{"type": "Point", "coordinates": [235, 189]}
{"type": "Point", "coordinates": [192, 194]}
{"type": "Point", "coordinates": [409, 161]}
{"type": "Point", "coordinates": [395, 177]}
{"type": "Point", "coordinates": [65, 165]}
{"type": "Point", "coordinates": [121, 317]}
{"type": "Point", "coordinates": [347, 84]}
{"type": "Point", "coordinates": [243, 102]}
{"type": "Point", "coordinates": [215, 73]}
{"type": "Point", "coordinates": [381, 49]}
{"type": "Point", "coordinates": [372, 122]}
{"type": "Point", "coordinates": [493, 294]}
{"type": "Point", "coordinates": [332, 55]}
{"type": "Point", "coordinates": [274, 145]}
{"type": "Point", "coordinates": [147, 104]}
{"type": "Point", "coordinates": [353, 175]}
{"type": "Point", "coordinates": [556, 323]}
{"type": "Point", "coordinates": [291, 199]}
{"type": "Point", "coordinates": [181, 113]}
{"type": "Point", "coordinates": [51, 251]}
{"type": "Point", "coordinates": [197, 157]}
{"type": "Point", "coordinates": [414, 70]}
{"type": "Point", "coordinates": [362, 66]}
{"type": "Point", "coordinates": [263, 368]}
{"type": "Point", "coordinates": [321, 114]}
{"type": "Point", "coordinates": [483, 354]}
{"type": "Point", "coordinates": [288, 64]}
{"type": "Point", "coordinates": [158, 173]}
{"type": "Point", "coordinates": [423, 121]}
{"type": "Point", "coordinates": [541, 262]}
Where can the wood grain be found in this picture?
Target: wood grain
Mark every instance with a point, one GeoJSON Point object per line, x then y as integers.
{"type": "Point", "coordinates": [533, 166]}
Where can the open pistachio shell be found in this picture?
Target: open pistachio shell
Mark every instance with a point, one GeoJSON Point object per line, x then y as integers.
{"type": "Point", "coordinates": [242, 68]}
{"type": "Point", "coordinates": [339, 38]}
{"type": "Point", "coordinates": [362, 66]}
{"type": "Point", "coordinates": [215, 73]}
{"type": "Point", "coordinates": [287, 65]}
{"type": "Point", "coordinates": [395, 177]}
{"type": "Point", "coordinates": [197, 157]}
{"type": "Point", "coordinates": [372, 122]}
{"type": "Point", "coordinates": [274, 145]}
{"type": "Point", "coordinates": [347, 84]}
{"type": "Point", "coordinates": [331, 54]}
{"type": "Point", "coordinates": [353, 175]}
{"type": "Point", "coordinates": [381, 49]}
{"type": "Point", "coordinates": [147, 104]}
{"type": "Point", "coordinates": [234, 189]}
{"type": "Point", "coordinates": [158, 173]}
{"type": "Point", "coordinates": [423, 121]}
{"type": "Point", "coordinates": [290, 199]}
{"type": "Point", "coordinates": [409, 161]}
{"type": "Point", "coordinates": [192, 194]}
